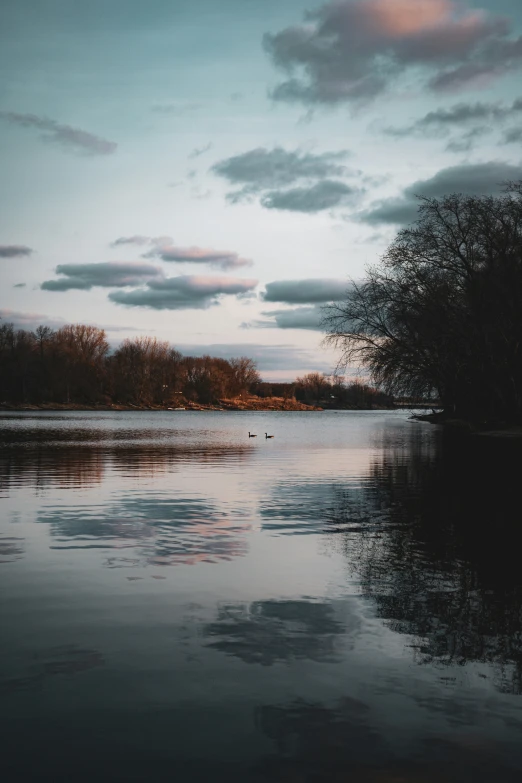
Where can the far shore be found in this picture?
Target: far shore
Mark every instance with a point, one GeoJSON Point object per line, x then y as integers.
{"type": "Point", "coordinates": [249, 403]}
{"type": "Point", "coordinates": [237, 404]}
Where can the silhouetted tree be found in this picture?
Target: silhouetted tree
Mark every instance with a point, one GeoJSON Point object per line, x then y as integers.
{"type": "Point", "coordinates": [311, 388]}
{"type": "Point", "coordinates": [442, 312]}
{"type": "Point", "coordinates": [333, 391]}
{"type": "Point", "coordinates": [79, 358]}
{"type": "Point", "coordinates": [74, 365]}
{"type": "Point", "coordinates": [243, 376]}
{"type": "Point", "coordinates": [146, 371]}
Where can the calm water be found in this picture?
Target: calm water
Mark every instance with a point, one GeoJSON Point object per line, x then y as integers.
{"type": "Point", "coordinates": [178, 602]}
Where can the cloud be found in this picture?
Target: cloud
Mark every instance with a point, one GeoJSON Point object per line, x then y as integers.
{"type": "Point", "coordinates": [513, 136]}
{"type": "Point", "coordinates": [19, 285]}
{"type": "Point", "coordinates": [163, 248]}
{"type": "Point", "coordinates": [267, 174]}
{"type": "Point", "coordinates": [223, 259]}
{"type": "Point", "coordinates": [466, 141]}
{"type": "Point", "coordinates": [316, 290]}
{"type": "Point", "coordinates": [140, 241]}
{"type": "Point", "coordinates": [182, 293]}
{"type": "Point", "coordinates": [441, 122]}
{"type": "Point", "coordinates": [352, 50]}
{"type": "Point", "coordinates": [312, 293]}
{"type": "Point", "coordinates": [135, 240]}
{"type": "Point", "coordinates": [262, 169]}
{"type": "Point", "coordinates": [477, 179]}
{"type": "Point", "coordinates": [297, 318]}
{"type": "Point", "coordinates": [275, 360]}
{"type": "Point", "coordinates": [197, 151]}
{"type": "Point", "coordinates": [14, 251]}
{"type": "Point", "coordinates": [323, 195]}
{"type": "Point", "coordinates": [498, 61]}
{"type": "Point", "coordinates": [105, 275]}
{"type": "Point", "coordinates": [65, 136]}
{"type": "Point", "coordinates": [29, 321]}
{"type": "Point", "coordinates": [461, 114]}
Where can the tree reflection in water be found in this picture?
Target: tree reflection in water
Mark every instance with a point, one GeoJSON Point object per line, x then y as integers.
{"type": "Point", "coordinates": [443, 563]}
{"type": "Point", "coordinates": [76, 464]}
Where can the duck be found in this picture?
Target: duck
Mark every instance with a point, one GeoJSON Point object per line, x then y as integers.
{"type": "Point", "coordinates": [268, 436]}
{"type": "Point", "coordinates": [251, 436]}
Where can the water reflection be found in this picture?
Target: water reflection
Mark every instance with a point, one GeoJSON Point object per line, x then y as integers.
{"type": "Point", "coordinates": [444, 564]}
{"type": "Point", "coordinates": [160, 530]}
{"type": "Point", "coordinates": [386, 583]}
{"type": "Point", "coordinates": [41, 468]}
{"type": "Point", "coordinates": [268, 632]}
{"type": "Point", "coordinates": [430, 535]}
{"type": "Point", "coordinates": [73, 465]}
{"type": "Point", "coordinates": [316, 508]}
{"type": "Point", "coordinates": [339, 743]}
{"type": "Point", "coordinates": [11, 548]}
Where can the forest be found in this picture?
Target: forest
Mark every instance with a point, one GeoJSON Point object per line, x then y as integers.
{"type": "Point", "coordinates": [75, 365]}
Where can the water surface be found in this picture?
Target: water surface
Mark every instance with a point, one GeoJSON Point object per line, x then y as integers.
{"type": "Point", "coordinates": [180, 602]}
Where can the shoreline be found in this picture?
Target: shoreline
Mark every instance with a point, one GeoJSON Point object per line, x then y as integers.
{"type": "Point", "coordinates": [469, 428]}
{"type": "Point", "coordinates": [270, 404]}
{"type": "Point", "coordinates": [256, 404]}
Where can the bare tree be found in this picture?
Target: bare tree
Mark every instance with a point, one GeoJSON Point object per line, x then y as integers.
{"type": "Point", "coordinates": [442, 312]}
{"type": "Point", "coordinates": [244, 375]}
{"type": "Point", "coordinates": [80, 352]}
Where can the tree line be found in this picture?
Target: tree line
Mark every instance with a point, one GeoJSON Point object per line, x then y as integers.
{"type": "Point", "coordinates": [333, 391]}
{"type": "Point", "coordinates": [74, 364]}
{"type": "Point", "coordinates": [441, 314]}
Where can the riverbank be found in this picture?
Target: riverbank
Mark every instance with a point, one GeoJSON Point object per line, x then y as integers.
{"type": "Point", "coordinates": [236, 404]}
{"type": "Point", "coordinates": [471, 428]}
{"type": "Point", "coordinates": [243, 403]}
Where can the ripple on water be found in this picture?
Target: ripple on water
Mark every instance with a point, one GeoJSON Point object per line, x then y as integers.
{"type": "Point", "coordinates": [161, 531]}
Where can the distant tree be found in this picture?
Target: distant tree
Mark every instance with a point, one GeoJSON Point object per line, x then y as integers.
{"type": "Point", "coordinates": [43, 337]}
{"type": "Point", "coordinates": [7, 340]}
{"type": "Point", "coordinates": [79, 361]}
{"type": "Point", "coordinates": [206, 378]}
{"type": "Point", "coordinates": [442, 312]}
{"type": "Point", "coordinates": [244, 375]}
{"type": "Point", "coordinates": [146, 371]}
{"type": "Point", "coordinates": [311, 388]}
{"type": "Point", "coordinates": [262, 389]}
{"type": "Point", "coordinates": [74, 364]}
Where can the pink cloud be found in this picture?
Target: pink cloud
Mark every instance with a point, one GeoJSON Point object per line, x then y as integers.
{"type": "Point", "coordinates": [402, 18]}
{"type": "Point", "coordinates": [354, 50]}
{"type": "Point", "coordinates": [224, 259]}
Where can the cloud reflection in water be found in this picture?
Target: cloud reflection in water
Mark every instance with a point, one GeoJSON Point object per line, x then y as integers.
{"type": "Point", "coordinates": [159, 530]}
{"type": "Point", "coordinates": [274, 631]}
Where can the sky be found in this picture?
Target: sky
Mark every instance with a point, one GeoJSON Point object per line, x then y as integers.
{"type": "Point", "coordinates": [212, 173]}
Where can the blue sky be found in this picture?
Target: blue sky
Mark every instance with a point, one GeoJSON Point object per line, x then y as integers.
{"type": "Point", "coordinates": [211, 173]}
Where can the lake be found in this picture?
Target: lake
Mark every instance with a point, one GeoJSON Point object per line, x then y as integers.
{"type": "Point", "coordinates": [342, 602]}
